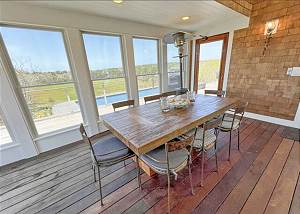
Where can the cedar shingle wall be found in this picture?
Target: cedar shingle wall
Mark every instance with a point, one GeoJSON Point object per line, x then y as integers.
{"type": "Point", "coordinates": [262, 80]}
{"type": "Point", "coordinates": [241, 6]}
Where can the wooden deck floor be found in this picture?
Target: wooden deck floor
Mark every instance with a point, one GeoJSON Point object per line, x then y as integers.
{"type": "Point", "coordinates": [263, 177]}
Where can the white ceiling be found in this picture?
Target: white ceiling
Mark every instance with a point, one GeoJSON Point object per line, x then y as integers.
{"type": "Point", "coordinates": [162, 13]}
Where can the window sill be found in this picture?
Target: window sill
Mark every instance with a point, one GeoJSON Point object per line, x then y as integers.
{"type": "Point", "coordinates": [56, 132]}
{"type": "Point", "coordinates": [9, 145]}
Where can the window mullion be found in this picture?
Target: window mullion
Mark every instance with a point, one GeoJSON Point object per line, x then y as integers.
{"type": "Point", "coordinates": [78, 61]}
{"type": "Point", "coordinates": [164, 75]}
{"type": "Point", "coordinates": [130, 67]}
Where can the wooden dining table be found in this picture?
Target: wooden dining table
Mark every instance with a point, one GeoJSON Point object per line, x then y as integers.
{"type": "Point", "coordinates": [146, 127]}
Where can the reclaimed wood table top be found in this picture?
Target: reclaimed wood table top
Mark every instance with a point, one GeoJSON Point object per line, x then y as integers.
{"type": "Point", "coordinates": [146, 127]}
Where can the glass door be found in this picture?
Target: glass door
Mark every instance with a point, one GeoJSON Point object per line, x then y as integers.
{"type": "Point", "coordinates": [210, 63]}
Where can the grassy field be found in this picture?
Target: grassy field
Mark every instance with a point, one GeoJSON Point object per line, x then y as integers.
{"type": "Point", "coordinates": [209, 70]}
{"type": "Point", "coordinates": [41, 99]}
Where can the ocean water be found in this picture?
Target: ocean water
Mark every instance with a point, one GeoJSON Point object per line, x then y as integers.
{"type": "Point", "coordinates": [123, 96]}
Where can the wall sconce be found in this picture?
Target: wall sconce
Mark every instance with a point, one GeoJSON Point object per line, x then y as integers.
{"type": "Point", "coordinates": [270, 29]}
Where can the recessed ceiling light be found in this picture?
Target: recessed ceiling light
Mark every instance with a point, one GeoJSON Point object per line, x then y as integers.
{"type": "Point", "coordinates": [118, 1]}
{"type": "Point", "coordinates": [184, 18]}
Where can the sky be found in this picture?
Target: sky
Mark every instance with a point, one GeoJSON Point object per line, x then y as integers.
{"type": "Point", "coordinates": [212, 50]}
{"type": "Point", "coordinates": [172, 53]}
{"type": "Point", "coordinates": [102, 51]}
{"type": "Point", "coordinates": [41, 50]}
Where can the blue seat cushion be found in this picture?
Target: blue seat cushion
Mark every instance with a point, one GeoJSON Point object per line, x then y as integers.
{"type": "Point", "coordinates": [228, 123]}
{"type": "Point", "coordinates": [156, 159]}
{"type": "Point", "coordinates": [110, 149]}
{"type": "Point", "coordinates": [209, 140]}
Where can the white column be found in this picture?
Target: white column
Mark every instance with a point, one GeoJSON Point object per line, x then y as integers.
{"type": "Point", "coordinates": [164, 73]}
{"type": "Point", "coordinates": [186, 65]}
{"type": "Point", "coordinates": [130, 67]}
{"type": "Point", "coordinates": [193, 65]}
{"type": "Point", "coordinates": [81, 73]}
{"type": "Point", "coordinates": [23, 145]}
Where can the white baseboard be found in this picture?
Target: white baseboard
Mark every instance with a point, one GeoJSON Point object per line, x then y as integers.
{"type": "Point", "coordinates": [291, 123]}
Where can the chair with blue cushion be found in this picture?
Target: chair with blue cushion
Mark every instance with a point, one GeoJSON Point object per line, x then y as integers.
{"type": "Point", "coordinates": [209, 132]}
{"type": "Point", "coordinates": [107, 151]}
{"type": "Point", "coordinates": [128, 103]}
{"type": "Point", "coordinates": [219, 93]}
{"type": "Point", "coordinates": [152, 98]}
{"type": "Point", "coordinates": [232, 121]}
{"type": "Point", "coordinates": [175, 93]}
{"type": "Point", "coordinates": [171, 158]}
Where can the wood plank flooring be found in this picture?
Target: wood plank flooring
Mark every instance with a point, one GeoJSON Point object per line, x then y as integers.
{"type": "Point", "coordinates": [263, 177]}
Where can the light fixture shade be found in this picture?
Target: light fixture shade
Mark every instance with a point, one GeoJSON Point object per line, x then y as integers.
{"type": "Point", "coordinates": [179, 38]}
{"type": "Point", "coordinates": [271, 27]}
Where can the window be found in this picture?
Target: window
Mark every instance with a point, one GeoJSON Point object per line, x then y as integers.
{"type": "Point", "coordinates": [42, 69]}
{"type": "Point", "coordinates": [4, 134]}
{"type": "Point", "coordinates": [146, 66]}
{"type": "Point", "coordinates": [106, 66]}
{"type": "Point", "coordinates": [173, 67]}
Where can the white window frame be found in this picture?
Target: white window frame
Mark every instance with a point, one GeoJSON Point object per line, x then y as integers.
{"type": "Point", "coordinates": [21, 99]}
{"type": "Point", "coordinates": [82, 32]}
{"type": "Point", "coordinates": [10, 132]}
{"type": "Point", "coordinates": [159, 61]}
{"type": "Point", "coordinates": [167, 62]}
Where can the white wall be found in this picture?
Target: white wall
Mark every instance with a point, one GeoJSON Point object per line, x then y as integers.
{"type": "Point", "coordinates": [71, 24]}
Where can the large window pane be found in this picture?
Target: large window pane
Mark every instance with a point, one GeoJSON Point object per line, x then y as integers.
{"type": "Point", "coordinates": [173, 67]}
{"type": "Point", "coordinates": [146, 66]}
{"type": "Point", "coordinates": [42, 68]}
{"type": "Point", "coordinates": [105, 63]}
{"type": "Point", "coordinates": [4, 134]}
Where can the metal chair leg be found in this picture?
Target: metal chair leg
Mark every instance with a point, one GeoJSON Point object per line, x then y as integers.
{"type": "Point", "coordinates": [138, 172]}
{"type": "Point", "coordinates": [190, 175]}
{"type": "Point", "coordinates": [238, 138]}
{"type": "Point", "coordinates": [229, 146]}
{"type": "Point", "coordinates": [94, 170]}
{"type": "Point", "coordinates": [202, 168]}
{"type": "Point", "coordinates": [169, 184]}
{"type": "Point", "coordinates": [216, 156]}
{"type": "Point", "coordinates": [100, 188]}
